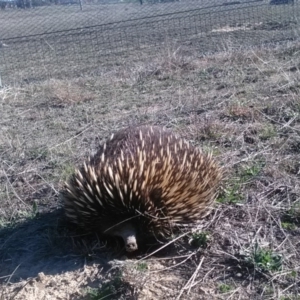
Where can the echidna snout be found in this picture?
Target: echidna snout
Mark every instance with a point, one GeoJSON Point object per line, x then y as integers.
{"type": "Point", "coordinates": [128, 233]}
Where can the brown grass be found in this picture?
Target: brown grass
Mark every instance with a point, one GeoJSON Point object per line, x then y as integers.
{"type": "Point", "coordinates": [243, 106]}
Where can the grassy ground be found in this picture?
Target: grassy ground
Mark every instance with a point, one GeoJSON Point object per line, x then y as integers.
{"type": "Point", "coordinates": [242, 105]}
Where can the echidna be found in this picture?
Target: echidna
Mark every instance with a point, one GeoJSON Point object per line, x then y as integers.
{"type": "Point", "coordinates": [143, 180]}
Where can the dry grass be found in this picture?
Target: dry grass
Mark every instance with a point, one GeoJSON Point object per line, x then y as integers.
{"type": "Point", "coordinates": [243, 106]}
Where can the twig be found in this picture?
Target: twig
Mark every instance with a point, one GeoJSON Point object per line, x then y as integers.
{"type": "Point", "coordinates": [195, 274]}
{"type": "Point", "coordinates": [71, 138]}
{"type": "Point", "coordinates": [164, 246]}
{"type": "Point", "coordinates": [191, 280]}
{"type": "Point", "coordinates": [183, 261]}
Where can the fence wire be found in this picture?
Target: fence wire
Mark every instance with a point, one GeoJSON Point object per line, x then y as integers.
{"type": "Point", "coordinates": [40, 39]}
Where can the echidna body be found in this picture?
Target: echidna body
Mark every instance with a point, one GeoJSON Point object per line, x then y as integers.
{"type": "Point", "coordinates": [144, 180]}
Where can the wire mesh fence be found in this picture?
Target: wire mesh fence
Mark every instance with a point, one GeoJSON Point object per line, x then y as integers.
{"type": "Point", "coordinates": [44, 38]}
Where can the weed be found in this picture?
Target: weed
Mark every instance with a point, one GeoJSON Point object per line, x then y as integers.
{"type": "Point", "coordinates": [231, 195]}
{"type": "Point", "coordinates": [267, 132]}
{"type": "Point", "coordinates": [200, 239]}
{"type": "Point", "coordinates": [251, 171]}
{"type": "Point", "coordinates": [288, 225]}
{"type": "Point", "coordinates": [294, 273]}
{"type": "Point", "coordinates": [142, 266]}
{"type": "Point", "coordinates": [264, 259]}
{"type": "Point", "coordinates": [224, 288]}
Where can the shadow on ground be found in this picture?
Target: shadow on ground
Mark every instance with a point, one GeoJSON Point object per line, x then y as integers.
{"type": "Point", "coordinates": [41, 244]}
